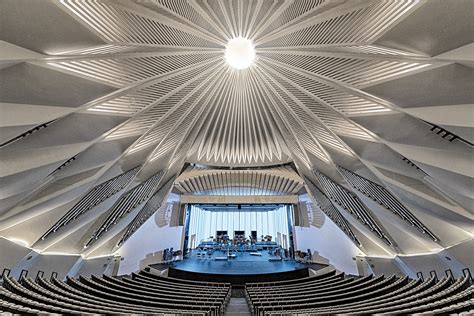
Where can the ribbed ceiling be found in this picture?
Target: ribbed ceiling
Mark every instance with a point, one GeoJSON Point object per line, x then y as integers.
{"type": "Point", "coordinates": [272, 181]}
{"type": "Point", "coordinates": [293, 78]}
{"type": "Point", "coordinates": [116, 96]}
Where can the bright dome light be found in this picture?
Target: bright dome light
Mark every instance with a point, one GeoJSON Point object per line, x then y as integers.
{"type": "Point", "coordinates": [240, 53]}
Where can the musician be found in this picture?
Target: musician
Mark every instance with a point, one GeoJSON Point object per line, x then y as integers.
{"type": "Point", "coordinates": [277, 252]}
{"type": "Point", "coordinates": [267, 238]}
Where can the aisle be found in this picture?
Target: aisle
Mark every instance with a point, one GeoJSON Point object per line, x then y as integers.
{"type": "Point", "coordinates": [237, 307]}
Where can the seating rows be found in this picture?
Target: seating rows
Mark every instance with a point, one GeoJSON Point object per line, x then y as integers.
{"type": "Point", "coordinates": [335, 294]}
{"type": "Point", "coordinates": [297, 282]}
{"type": "Point", "coordinates": [147, 293]}
{"type": "Point", "coordinates": [94, 197]}
{"type": "Point", "coordinates": [383, 197]}
{"type": "Point", "coordinates": [143, 293]}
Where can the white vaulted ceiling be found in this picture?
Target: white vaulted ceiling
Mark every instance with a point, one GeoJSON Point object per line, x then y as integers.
{"type": "Point", "coordinates": [103, 102]}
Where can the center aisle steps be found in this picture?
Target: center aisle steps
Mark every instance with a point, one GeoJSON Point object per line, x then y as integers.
{"type": "Point", "coordinates": [237, 307]}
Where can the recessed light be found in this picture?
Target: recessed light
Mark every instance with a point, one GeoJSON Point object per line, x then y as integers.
{"type": "Point", "coordinates": [240, 53]}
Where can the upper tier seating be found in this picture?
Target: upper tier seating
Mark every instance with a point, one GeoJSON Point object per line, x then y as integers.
{"type": "Point", "coordinates": [336, 294]}
{"type": "Point", "coordinates": [144, 293]}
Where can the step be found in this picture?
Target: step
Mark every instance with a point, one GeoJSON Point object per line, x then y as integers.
{"type": "Point", "coordinates": [237, 307]}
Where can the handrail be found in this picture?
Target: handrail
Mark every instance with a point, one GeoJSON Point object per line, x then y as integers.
{"type": "Point", "coordinates": [39, 275]}
{"type": "Point", "coordinates": [467, 272]}
{"type": "Point", "coordinates": [419, 275]}
{"type": "Point", "coordinates": [25, 272]}
{"type": "Point", "coordinates": [54, 275]}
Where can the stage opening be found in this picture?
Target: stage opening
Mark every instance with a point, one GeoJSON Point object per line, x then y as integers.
{"type": "Point", "coordinates": [241, 233]}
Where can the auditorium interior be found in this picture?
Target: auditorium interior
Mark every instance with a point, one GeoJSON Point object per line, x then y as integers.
{"type": "Point", "coordinates": [237, 157]}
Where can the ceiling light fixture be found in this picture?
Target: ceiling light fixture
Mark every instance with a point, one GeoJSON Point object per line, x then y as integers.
{"type": "Point", "coordinates": [240, 53]}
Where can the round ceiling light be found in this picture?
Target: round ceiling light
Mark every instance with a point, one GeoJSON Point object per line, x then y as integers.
{"type": "Point", "coordinates": [240, 53]}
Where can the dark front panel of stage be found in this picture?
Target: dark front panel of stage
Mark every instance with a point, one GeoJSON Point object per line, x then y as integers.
{"type": "Point", "coordinates": [238, 278]}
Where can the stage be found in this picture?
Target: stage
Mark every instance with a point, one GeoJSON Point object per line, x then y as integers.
{"type": "Point", "coordinates": [243, 269]}
{"type": "Point", "coordinates": [244, 263]}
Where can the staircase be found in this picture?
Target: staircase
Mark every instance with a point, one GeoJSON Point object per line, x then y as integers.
{"type": "Point", "coordinates": [237, 307]}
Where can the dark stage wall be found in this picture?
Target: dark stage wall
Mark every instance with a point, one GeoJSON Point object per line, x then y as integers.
{"type": "Point", "coordinates": [238, 279]}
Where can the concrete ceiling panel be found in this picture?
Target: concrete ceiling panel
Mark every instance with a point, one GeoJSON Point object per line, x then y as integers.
{"type": "Point", "coordinates": [446, 85]}
{"type": "Point", "coordinates": [26, 83]}
{"type": "Point", "coordinates": [437, 27]}
{"type": "Point", "coordinates": [43, 27]}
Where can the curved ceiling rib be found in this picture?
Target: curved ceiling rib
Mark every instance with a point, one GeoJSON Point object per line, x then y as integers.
{"type": "Point", "coordinates": [273, 181]}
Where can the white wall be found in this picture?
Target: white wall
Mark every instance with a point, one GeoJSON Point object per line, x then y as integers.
{"type": "Point", "coordinates": [455, 258]}
{"type": "Point", "coordinates": [463, 253]}
{"type": "Point", "coordinates": [331, 243]}
{"type": "Point", "coordinates": [60, 264]}
{"type": "Point", "coordinates": [17, 257]}
{"type": "Point", "coordinates": [34, 262]}
{"type": "Point", "coordinates": [387, 266]}
{"type": "Point", "coordinates": [11, 253]}
{"type": "Point", "coordinates": [95, 266]}
{"type": "Point", "coordinates": [146, 245]}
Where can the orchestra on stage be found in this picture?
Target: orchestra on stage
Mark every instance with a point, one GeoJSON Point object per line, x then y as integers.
{"type": "Point", "coordinates": [223, 247]}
